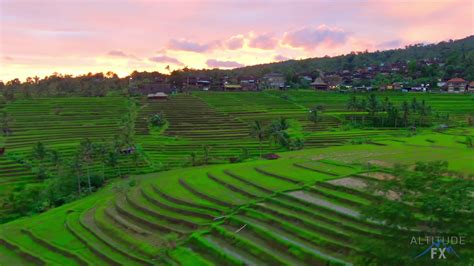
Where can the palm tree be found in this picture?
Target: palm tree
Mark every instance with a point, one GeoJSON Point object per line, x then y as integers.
{"type": "Point", "coordinates": [5, 121]}
{"type": "Point", "coordinates": [86, 149]}
{"type": "Point", "coordinates": [406, 112]}
{"type": "Point", "coordinates": [362, 107]}
{"type": "Point", "coordinates": [313, 114]}
{"type": "Point", "coordinates": [277, 132]}
{"type": "Point", "coordinates": [352, 105]}
{"type": "Point", "coordinates": [76, 167]}
{"type": "Point", "coordinates": [56, 160]}
{"type": "Point", "coordinates": [424, 111]}
{"type": "Point", "coordinates": [258, 131]}
{"type": "Point", "coordinates": [112, 160]}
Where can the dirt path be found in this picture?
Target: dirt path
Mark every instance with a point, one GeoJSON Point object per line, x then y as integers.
{"type": "Point", "coordinates": [319, 201]}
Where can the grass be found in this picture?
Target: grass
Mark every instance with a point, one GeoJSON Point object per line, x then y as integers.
{"type": "Point", "coordinates": [221, 213]}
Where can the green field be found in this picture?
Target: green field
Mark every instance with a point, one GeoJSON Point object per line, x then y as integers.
{"type": "Point", "coordinates": [301, 209]}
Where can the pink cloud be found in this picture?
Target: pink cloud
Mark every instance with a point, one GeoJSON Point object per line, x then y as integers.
{"type": "Point", "coordinates": [234, 43]}
{"type": "Point", "coordinates": [213, 63]}
{"type": "Point", "coordinates": [263, 41]}
{"type": "Point", "coordinates": [119, 53]}
{"type": "Point", "coordinates": [190, 46]}
{"type": "Point", "coordinates": [166, 59]}
{"type": "Point", "coordinates": [312, 37]}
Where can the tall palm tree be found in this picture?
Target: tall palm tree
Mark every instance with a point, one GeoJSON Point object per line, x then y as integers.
{"type": "Point", "coordinates": [258, 131]}
{"type": "Point", "coordinates": [112, 160]}
{"type": "Point", "coordinates": [87, 153]}
{"type": "Point", "coordinates": [406, 112]}
{"type": "Point", "coordinates": [352, 105]}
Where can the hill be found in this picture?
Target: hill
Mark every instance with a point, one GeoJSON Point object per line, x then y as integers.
{"type": "Point", "coordinates": [300, 209]}
{"type": "Point", "coordinates": [454, 52]}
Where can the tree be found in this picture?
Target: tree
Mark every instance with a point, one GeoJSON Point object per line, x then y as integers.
{"type": "Point", "coordinates": [5, 122]}
{"type": "Point", "coordinates": [372, 105]}
{"type": "Point", "coordinates": [76, 169]}
{"type": "Point", "coordinates": [39, 152]}
{"type": "Point", "coordinates": [362, 107]}
{"type": "Point", "coordinates": [258, 131]}
{"type": "Point", "coordinates": [429, 201]}
{"type": "Point", "coordinates": [112, 160]}
{"type": "Point", "coordinates": [314, 115]}
{"type": "Point", "coordinates": [277, 132]}
{"type": "Point", "coordinates": [406, 112]}
{"type": "Point", "coordinates": [86, 151]}
{"type": "Point", "coordinates": [352, 105]}
{"type": "Point", "coordinates": [127, 132]}
{"type": "Point", "coordinates": [423, 110]}
{"type": "Point", "coordinates": [56, 160]}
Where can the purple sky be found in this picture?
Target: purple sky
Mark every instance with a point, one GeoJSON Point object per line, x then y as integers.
{"type": "Point", "coordinates": [39, 37]}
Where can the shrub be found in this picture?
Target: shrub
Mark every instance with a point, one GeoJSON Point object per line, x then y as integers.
{"type": "Point", "coordinates": [157, 120]}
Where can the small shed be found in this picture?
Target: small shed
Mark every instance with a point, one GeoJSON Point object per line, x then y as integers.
{"type": "Point", "coordinates": [157, 96]}
{"type": "Point", "coordinates": [232, 87]}
{"type": "Point", "coordinates": [319, 84]}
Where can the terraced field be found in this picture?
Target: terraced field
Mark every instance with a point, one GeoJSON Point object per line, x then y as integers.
{"type": "Point", "coordinates": [60, 124]}
{"type": "Point", "coordinates": [193, 124]}
{"type": "Point", "coordinates": [302, 209]}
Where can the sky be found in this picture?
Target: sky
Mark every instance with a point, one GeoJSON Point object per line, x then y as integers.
{"type": "Point", "coordinates": [39, 37]}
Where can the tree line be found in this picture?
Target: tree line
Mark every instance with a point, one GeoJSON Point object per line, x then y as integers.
{"type": "Point", "coordinates": [383, 113]}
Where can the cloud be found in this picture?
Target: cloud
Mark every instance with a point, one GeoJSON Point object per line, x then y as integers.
{"type": "Point", "coordinates": [263, 41]}
{"type": "Point", "coordinates": [7, 58]}
{"type": "Point", "coordinates": [119, 53]}
{"type": "Point", "coordinates": [213, 63]}
{"type": "Point", "coordinates": [309, 38]}
{"type": "Point", "coordinates": [165, 59]}
{"type": "Point", "coordinates": [390, 44]}
{"type": "Point", "coordinates": [281, 58]}
{"type": "Point", "coordinates": [234, 42]}
{"type": "Point", "coordinates": [190, 46]}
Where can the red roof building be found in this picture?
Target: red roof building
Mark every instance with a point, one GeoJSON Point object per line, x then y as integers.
{"type": "Point", "coordinates": [456, 85]}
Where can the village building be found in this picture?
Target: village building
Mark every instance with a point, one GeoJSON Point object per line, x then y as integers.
{"type": "Point", "coordinates": [232, 87]}
{"type": "Point", "coordinates": [274, 81]}
{"type": "Point", "coordinates": [319, 84]}
{"type": "Point", "coordinates": [157, 96]}
{"type": "Point", "coordinates": [470, 88]}
{"type": "Point", "coordinates": [248, 83]}
{"type": "Point", "coordinates": [333, 81]}
{"type": "Point", "coordinates": [456, 85]}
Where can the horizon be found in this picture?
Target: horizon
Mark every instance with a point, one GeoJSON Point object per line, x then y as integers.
{"type": "Point", "coordinates": [74, 38]}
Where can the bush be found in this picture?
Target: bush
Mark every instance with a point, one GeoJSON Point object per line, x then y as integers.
{"type": "Point", "coordinates": [157, 120]}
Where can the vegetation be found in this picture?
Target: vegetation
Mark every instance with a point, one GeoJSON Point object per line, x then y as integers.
{"type": "Point", "coordinates": [64, 155]}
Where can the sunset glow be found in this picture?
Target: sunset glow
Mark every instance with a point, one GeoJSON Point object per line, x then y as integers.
{"type": "Point", "coordinates": [39, 37]}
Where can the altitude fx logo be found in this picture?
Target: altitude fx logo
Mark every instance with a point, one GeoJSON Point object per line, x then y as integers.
{"type": "Point", "coordinates": [439, 249]}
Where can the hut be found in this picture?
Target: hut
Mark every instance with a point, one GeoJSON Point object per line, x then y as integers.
{"type": "Point", "coordinates": [319, 84]}
{"type": "Point", "coordinates": [157, 96]}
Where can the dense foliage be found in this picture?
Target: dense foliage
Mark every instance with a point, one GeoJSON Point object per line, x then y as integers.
{"type": "Point", "coordinates": [429, 201]}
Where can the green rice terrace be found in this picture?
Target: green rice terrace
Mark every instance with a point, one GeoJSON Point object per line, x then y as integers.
{"type": "Point", "coordinates": [192, 188]}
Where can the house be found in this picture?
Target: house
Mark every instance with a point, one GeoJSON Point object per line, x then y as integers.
{"type": "Point", "coordinates": [319, 84]}
{"type": "Point", "coordinates": [274, 80]}
{"type": "Point", "coordinates": [470, 88]}
{"type": "Point", "coordinates": [248, 83]}
{"type": "Point", "coordinates": [400, 85]}
{"type": "Point", "coordinates": [333, 81]}
{"type": "Point", "coordinates": [232, 87]}
{"type": "Point", "coordinates": [456, 85]}
{"type": "Point", "coordinates": [157, 96]}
